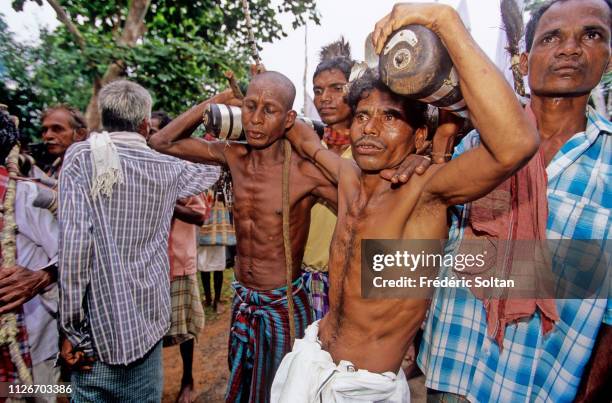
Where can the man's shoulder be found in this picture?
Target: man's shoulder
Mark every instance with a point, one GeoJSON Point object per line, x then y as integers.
{"type": "Point", "coordinates": [76, 151]}
{"type": "Point", "coordinates": [78, 148]}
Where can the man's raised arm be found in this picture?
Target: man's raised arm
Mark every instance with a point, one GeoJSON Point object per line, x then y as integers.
{"type": "Point", "coordinates": [308, 144]}
{"type": "Point", "coordinates": [174, 139]}
{"type": "Point", "coordinates": [508, 138]}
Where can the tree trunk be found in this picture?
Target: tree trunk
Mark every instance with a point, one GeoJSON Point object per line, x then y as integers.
{"type": "Point", "coordinates": [132, 30]}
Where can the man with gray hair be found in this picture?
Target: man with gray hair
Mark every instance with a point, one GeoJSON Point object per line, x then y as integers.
{"type": "Point", "coordinates": [117, 197]}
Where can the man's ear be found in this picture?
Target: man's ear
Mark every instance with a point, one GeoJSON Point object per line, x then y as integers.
{"type": "Point", "coordinates": [80, 134]}
{"type": "Point", "coordinates": [524, 63]}
{"type": "Point", "coordinates": [144, 128]}
{"type": "Point", "coordinates": [290, 119]}
{"type": "Point", "coordinates": [420, 139]}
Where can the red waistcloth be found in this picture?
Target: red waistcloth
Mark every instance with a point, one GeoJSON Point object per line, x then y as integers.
{"type": "Point", "coordinates": [515, 210]}
{"type": "Point", "coordinates": [332, 137]}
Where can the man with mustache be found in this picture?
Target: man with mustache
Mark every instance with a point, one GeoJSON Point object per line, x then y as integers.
{"type": "Point", "coordinates": [354, 353]}
{"type": "Point", "coordinates": [62, 125]}
{"type": "Point", "coordinates": [567, 52]}
{"type": "Point", "coordinates": [259, 336]}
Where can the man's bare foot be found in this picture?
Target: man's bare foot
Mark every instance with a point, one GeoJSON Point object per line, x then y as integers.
{"type": "Point", "coordinates": [186, 394]}
{"type": "Point", "coordinates": [215, 307]}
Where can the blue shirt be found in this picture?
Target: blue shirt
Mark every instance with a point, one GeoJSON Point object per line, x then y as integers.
{"type": "Point", "coordinates": [457, 356]}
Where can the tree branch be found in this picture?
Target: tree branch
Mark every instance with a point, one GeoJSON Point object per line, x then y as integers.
{"type": "Point", "coordinates": [63, 17]}
{"type": "Point", "coordinates": [132, 30]}
{"type": "Point", "coordinates": [134, 24]}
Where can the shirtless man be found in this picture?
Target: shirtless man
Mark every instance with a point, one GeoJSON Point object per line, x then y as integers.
{"type": "Point", "coordinates": [260, 304]}
{"type": "Point", "coordinates": [373, 335]}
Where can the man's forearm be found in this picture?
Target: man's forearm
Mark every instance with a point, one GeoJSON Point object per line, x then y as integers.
{"type": "Point", "coordinates": [493, 106]}
{"type": "Point", "coordinates": [188, 215]}
{"type": "Point", "coordinates": [180, 128]}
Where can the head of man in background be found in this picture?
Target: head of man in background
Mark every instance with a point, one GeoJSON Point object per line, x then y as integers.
{"type": "Point", "coordinates": [567, 48]}
{"type": "Point", "coordinates": [62, 125]}
{"type": "Point", "coordinates": [125, 106]}
{"type": "Point", "coordinates": [159, 120]}
{"type": "Point", "coordinates": [330, 82]}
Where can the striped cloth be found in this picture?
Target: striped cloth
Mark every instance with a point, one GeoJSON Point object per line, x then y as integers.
{"type": "Point", "coordinates": [259, 338]}
{"type": "Point", "coordinates": [317, 287]}
{"type": "Point", "coordinates": [113, 257]}
{"type": "Point", "coordinates": [457, 357]}
{"type": "Point", "coordinates": [187, 313]}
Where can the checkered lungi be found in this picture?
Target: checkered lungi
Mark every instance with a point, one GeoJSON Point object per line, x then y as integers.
{"type": "Point", "coordinates": [187, 312]}
{"type": "Point", "coordinates": [317, 287]}
{"type": "Point", "coordinates": [259, 338]}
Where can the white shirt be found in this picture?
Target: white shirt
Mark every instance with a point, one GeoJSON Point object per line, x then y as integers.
{"type": "Point", "coordinates": [37, 245]}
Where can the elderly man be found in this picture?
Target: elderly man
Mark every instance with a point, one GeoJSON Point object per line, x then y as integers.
{"type": "Point", "coordinates": [568, 50]}
{"type": "Point", "coordinates": [31, 284]}
{"type": "Point", "coordinates": [62, 125]}
{"type": "Point", "coordinates": [354, 353]}
{"type": "Point", "coordinates": [117, 198]}
{"type": "Point", "coordinates": [260, 319]}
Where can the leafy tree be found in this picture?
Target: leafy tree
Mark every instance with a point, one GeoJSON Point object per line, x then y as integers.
{"type": "Point", "coordinates": [178, 49]}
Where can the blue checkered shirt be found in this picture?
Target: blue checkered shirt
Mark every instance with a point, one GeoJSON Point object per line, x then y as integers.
{"type": "Point", "coordinates": [113, 258]}
{"type": "Point", "coordinates": [457, 356]}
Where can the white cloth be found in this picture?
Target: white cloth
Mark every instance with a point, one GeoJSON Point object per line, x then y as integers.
{"type": "Point", "coordinates": [37, 246]}
{"type": "Point", "coordinates": [211, 258]}
{"type": "Point", "coordinates": [106, 164]}
{"type": "Point", "coordinates": [308, 374]}
{"type": "Point", "coordinates": [105, 159]}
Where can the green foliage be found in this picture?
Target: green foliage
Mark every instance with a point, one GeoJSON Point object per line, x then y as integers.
{"type": "Point", "coordinates": [181, 56]}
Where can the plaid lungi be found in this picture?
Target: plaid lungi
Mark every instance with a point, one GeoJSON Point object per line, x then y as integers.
{"type": "Point", "coordinates": [317, 287]}
{"type": "Point", "coordinates": [259, 338]}
{"type": "Point", "coordinates": [8, 371]}
{"type": "Point", "coordinates": [187, 312]}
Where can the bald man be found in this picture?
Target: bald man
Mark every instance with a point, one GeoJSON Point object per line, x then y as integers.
{"type": "Point", "coordinates": [259, 335]}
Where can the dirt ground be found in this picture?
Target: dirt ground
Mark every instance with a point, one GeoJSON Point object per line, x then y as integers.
{"type": "Point", "coordinates": [210, 371]}
{"type": "Point", "coordinates": [210, 355]}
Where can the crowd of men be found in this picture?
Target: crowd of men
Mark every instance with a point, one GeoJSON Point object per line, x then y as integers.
{"type": "Point", "coordinates": [107, 243]}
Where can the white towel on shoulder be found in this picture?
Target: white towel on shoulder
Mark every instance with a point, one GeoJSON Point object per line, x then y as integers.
{"type": "Point", "coordinates": [105, 159]}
